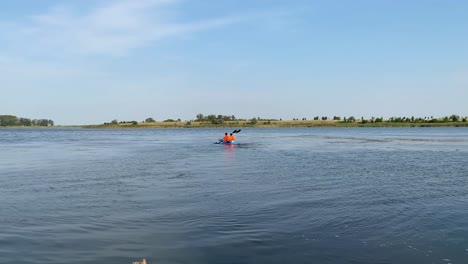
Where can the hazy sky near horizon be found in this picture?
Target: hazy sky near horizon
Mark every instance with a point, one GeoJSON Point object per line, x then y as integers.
{"type": "Point", "coordinates": [91, 61]}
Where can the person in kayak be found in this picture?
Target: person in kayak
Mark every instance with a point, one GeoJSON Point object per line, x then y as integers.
{"type": "Point", "coordinates": [232, 138]}
{"type": "Point", "coordinates": [226, 137]}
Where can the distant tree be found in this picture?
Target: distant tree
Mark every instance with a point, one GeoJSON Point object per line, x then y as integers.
{"type": "Point", "coordinates": [217, 121]}
{"type": "Point", "coordinates": [304, 119]}
{"type": "Point", "coordinates": [169, 120]}
{"type": "Point", "coordinates": [351, 119]}
{"type": "Point", "coordinates": [43, 122]}
{"type": "Point", "coordinates": [210, 118]}
{"type": "Point", "coordinates": [134, 123]}
{"type": "Point", "coordinates": [114, 122]}
{"type": "Point", "coordinates": [25, 122]}
{"type": "Point", "coordinates": [336, 118]}
{"type": "Point", "coordinates": [200, 117]}
{"type": "Point", "coordinates": [324, 118]}
{"type": "Point", "coordinates": [446, 119]}
{"type": "Point", "coordinates": [178, 120]}
{"type": "Point", "coordinates": [150, 120]}
{"type": "Point", "coordinates": [8, 120]}
{"type": "Point", "coordinates": [253, 121]}
{"type": "Point", "coordinates": [464, 119]}
{"type": "Point", "coordinates": [455, 118]}
{"type": "Point", "coordinates": [51, 122]}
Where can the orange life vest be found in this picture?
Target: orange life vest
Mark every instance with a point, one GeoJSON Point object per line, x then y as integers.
{"type": "Point", "coordinates": [232, 138]}
{"type": "Point", "coordinates": [226, 138]}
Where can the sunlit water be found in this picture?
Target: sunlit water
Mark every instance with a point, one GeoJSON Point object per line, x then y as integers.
{"type": "Point", "coordinates": [320, 195]}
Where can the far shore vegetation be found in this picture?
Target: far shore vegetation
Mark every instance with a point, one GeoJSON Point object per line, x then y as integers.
{"type": "Point", "coordinates": [13, 121]}
{"type": "Point", "coordinates": [213, 121]}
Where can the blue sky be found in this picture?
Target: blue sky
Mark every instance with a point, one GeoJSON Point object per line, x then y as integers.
{"type": "Point", "coordinates": [82, 62]}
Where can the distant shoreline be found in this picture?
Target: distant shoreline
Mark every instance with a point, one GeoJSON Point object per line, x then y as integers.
{"type": "Point", "coordinates": [276, 124]}
{"type": "Point", "coordinates": [246, 124]}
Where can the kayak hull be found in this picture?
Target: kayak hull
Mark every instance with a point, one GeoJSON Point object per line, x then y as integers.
{"type": "Point", "coordinates": [226, 143]}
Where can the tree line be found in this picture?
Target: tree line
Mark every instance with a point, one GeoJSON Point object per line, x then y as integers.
{"type": "Point", "coordinates": [404, 119]}
{"type": "Point", "coordinates": [412, 119]}
{"type": "Point", "coordinates": [10, 120]}
{"type": "Point", "coordinates": [212, 119]}
{"type": "Point", "coordinates": [133, 122]}
{"type": "Point", "coordinates": [220, 119]}
{"type": "Point", "coordinates": [215, 119]}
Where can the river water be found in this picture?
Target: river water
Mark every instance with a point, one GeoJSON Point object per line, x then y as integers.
{"type": "Point", "coordinates": [321, 195]}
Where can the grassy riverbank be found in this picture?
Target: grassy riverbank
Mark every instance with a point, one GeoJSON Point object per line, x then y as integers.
{"type": "Point", "coordinates": [279, 124]}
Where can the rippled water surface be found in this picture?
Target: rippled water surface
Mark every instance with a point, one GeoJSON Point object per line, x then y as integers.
{"type": "Point", "coordinates": [319, 195]}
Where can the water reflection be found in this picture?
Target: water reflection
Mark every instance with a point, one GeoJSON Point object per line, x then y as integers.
{"type": "Point", "coordinates": [229, 152]}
